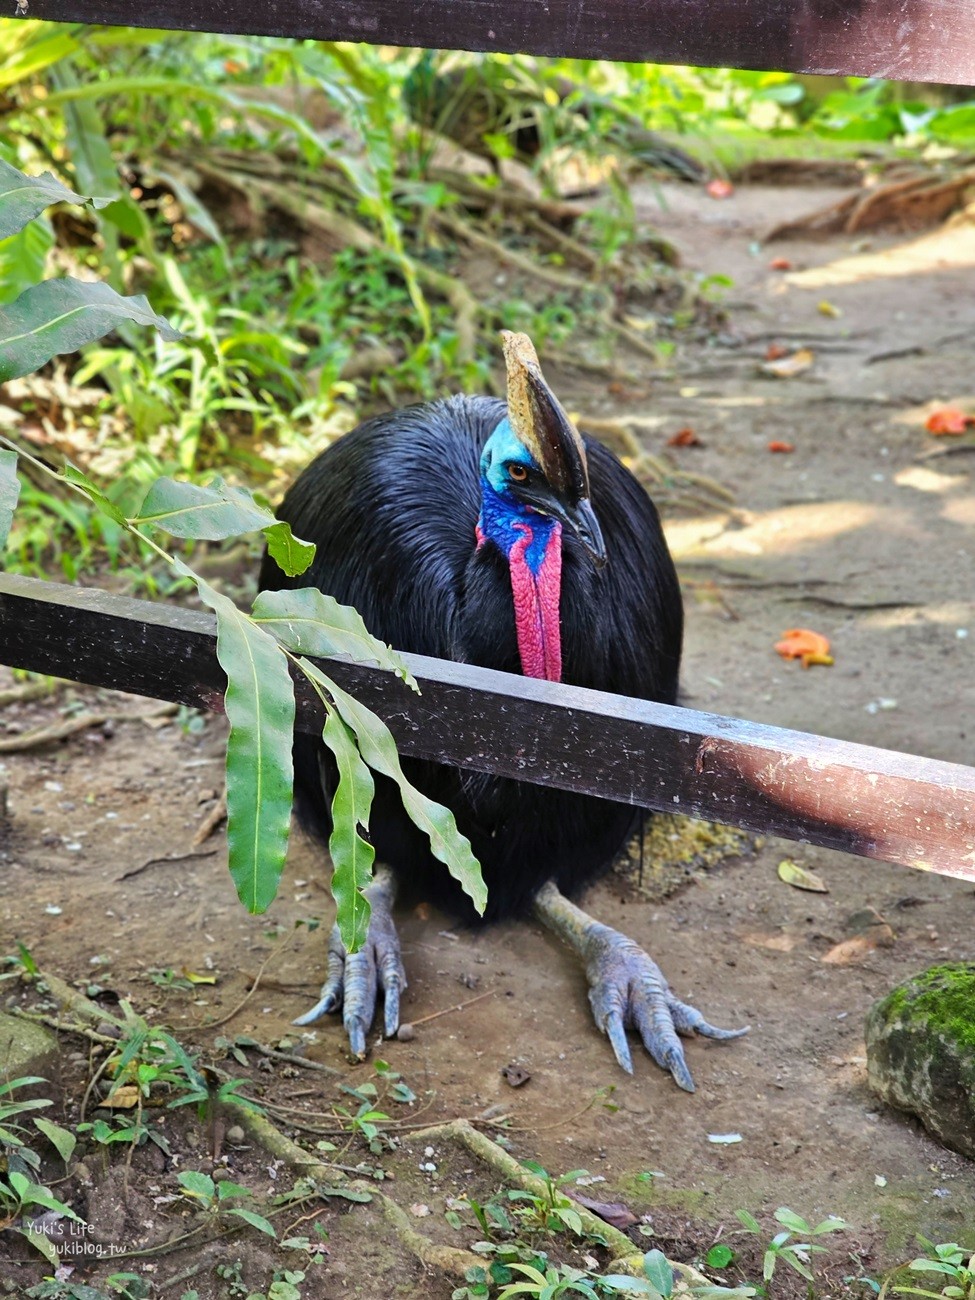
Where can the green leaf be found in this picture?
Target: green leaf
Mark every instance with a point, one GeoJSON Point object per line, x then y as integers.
{"type": "Point", "coordinates": [23, 258]}
{"type": "Point", "coordinates": [748, 1220]}
{"type": "Point", "coordinates": [288, 552]}
{"type": "Point", "coordinates": [352, 856]}
{"type": "Point", "coordinates": [22, 198]}
{"type": "Point", "coordinates": [62, 1139]}
{"type": "Point", "coordinates": [378, 748]}
{"type": "Point", "coordinates": [9, 492]}
{"type": "Point", "coordinates": [309, 622]}
{"type": "Point", "coordinates": [657, 1268]}
{"type": "Point", "coordinates": [719, 1256]}
{"type": "Point", "coordinates": [226, 1189]}
{"type": "Point", "coordinates": [788, 1218]}
{"type": "Point", "coordinates": [58, 316]}
{"type": "Point", "coordinates": [255, 1220]}
{"type": "Point", "coordinates": [74, 475]}
{"type": "Point", "coordinates": [629, 1285]}
{"type": "Point", "coordinates": [41, 1243]}
{"type": "Point", "coordinates": [200, 1186]}
{"type": "Point", "coordinates": [210, 513]}
{"type": "Point", "coordinates": [29, 1193]}
{"type": "Point", "coordinates": [260, 706]}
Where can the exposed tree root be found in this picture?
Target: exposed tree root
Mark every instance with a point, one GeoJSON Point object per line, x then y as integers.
{"type": "Point", "coordinates": [39, 689]}
{"type": "Point", "coordinates": [448, 1259]}
{"type": "Point", "coordinates": [905, 204]}
{"type": "Point", "coordinates": [55, 731]}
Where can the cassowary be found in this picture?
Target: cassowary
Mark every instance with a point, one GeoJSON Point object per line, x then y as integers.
{"type": "Point", "coordinates": [496, 535]}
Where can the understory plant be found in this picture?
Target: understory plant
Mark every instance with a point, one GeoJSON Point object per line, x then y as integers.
{"type": "Point", "coordinates": [257, 651]}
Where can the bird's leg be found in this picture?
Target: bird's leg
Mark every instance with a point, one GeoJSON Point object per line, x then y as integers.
{"type": "Point", "coordinates": [627, 988]}
{"type": "Point", "coordinates": [352, 979]}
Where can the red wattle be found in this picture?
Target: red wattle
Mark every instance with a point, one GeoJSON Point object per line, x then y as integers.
{"type": "Point", "coordinates": [536, 600]}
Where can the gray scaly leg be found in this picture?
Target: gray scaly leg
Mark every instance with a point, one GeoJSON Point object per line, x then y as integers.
{"type": "Point", "coordinates": [352, 979]}
{"type": "Point", "coordinates": [627, 988]}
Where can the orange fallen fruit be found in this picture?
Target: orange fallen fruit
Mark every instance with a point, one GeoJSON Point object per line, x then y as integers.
{"type": "Point", "coordinates": [806, 646]}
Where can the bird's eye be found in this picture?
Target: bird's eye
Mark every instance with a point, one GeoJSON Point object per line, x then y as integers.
{"type": "Point", "coordinates": [517, 473]}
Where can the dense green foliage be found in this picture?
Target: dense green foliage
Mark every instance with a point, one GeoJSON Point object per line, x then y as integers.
{"type": "Point", "coordinates": [277, 203]}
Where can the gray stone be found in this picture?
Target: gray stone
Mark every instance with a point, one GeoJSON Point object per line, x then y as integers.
{"type": "Point", "coordinates": [25, 1048]}
{"type": "Point", "coordinates": [921, 1052]}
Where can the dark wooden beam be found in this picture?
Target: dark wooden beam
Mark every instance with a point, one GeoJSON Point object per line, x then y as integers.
{"type": "Point", "coordinates": [917, 40]}
{"type": "Point", "coordinates": [897, 807]}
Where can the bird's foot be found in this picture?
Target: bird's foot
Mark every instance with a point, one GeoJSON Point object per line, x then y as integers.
{"type": "Point", "coordinates": [353, 979]}
{"type": "Point", "coordinates": [627, 989]}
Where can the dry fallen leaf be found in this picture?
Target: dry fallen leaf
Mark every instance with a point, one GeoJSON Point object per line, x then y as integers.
{"type": "Point", "coordinates": [788, 367]}
{"type": "Point", "coordinates": [780, 942]}
{"type": "Point", "coordinates": [806, 646]}
{"type": "Point", "coordinates": [720, 189]}
{"type": "Point", "coordinates": [124, 1098]}
{"type": "Point", "coordinates": [947, 419]}
{"type": "Point", "coordinates": [828, 309]}
{"type": "Point", "coordinates": [614, 1213]}
{"type": "Point", "coordinates": [850, 951]}
{"type": "Point", "coordinates": [801, 877]}
{"type": "Point", "coordinates": [685, 438]}
{"type": "Point", "coordinates": [775, 445]}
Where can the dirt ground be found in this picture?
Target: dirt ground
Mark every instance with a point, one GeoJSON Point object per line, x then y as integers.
{"type": "Point", "coordinates": [865, 533]}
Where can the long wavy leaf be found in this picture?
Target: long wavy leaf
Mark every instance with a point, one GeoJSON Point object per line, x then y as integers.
{"type": "Point", "coordinates": [352, 856]}
{"type": "Point", "coordinates": [309, 622]}
{"type": "Point", "coordinates": [378, 748]}
{"type": "Point", "coordinates": [22, 198]}
{"type": "Point", "coordinates": [61, 316]}
{"type": "Point", "coordinates": [9, 492]}
{"type": "Point", "coordinates": [260, 706]}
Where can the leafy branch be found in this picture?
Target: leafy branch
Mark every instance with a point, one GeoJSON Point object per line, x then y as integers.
{"type": "Point", "coordinates": [257, 652]}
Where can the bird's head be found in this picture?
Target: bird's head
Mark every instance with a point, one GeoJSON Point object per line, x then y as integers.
{"type": "Point", "coordinates": [534, 482]}
{"type": "Point", "coordinates": [535, 460]}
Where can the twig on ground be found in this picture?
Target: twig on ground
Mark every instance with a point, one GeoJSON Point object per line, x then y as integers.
{"type": "Point", "coordinates": [216, 815]}
{"type": "Point", "coordinates": [155, 862]}
{"type": "Point", "coordinates": [445, 1011]}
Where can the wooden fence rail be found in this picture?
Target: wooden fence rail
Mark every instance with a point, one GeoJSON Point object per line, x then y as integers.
{"type": "Point", "coordinates": [920, 40]}
{"type": "Point", "coordinates": [896, 807]}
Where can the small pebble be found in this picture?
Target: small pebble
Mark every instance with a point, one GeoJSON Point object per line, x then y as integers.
{"type": "Point", "coordinates": [220, 1174]}
{"type": "Point", "coordinates": [235, 1134]}
{"type": "Point", "coordinates": [406, 1033]}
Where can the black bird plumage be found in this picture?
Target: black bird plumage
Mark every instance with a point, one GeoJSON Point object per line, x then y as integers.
{"type": "Point", "coordinates": [400, 512]}
{"type": "Point", "coordinates": [392, 509]}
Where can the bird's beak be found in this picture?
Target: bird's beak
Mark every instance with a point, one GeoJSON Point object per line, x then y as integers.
{"type": "Point", "coordinates": [581, 518]}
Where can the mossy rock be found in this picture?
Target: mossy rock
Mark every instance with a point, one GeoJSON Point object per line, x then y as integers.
{"type": "Point", "coordinates": [921, 1052]}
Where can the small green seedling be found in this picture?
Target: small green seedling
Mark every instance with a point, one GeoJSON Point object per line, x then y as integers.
{"type": "Point", "coordinates": [954, 1265]}
{"type": "Point", "coordinates": [797, 1254]}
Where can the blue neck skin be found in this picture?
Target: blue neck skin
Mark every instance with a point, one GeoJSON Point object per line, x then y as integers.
{"type": "Point", "coordinates": [501, 510]}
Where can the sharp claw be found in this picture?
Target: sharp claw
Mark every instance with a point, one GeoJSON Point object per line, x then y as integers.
{"type": "Point", "coordinates": [356, 1030]}
{"type": "Point", "coordinates": [321, 1007]}
{"type": "Point", "coordinates": [616, 1033]}
{"type": "Point", "coordinates": [677, 1066]}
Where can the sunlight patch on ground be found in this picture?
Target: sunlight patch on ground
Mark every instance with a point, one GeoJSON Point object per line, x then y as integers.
{"type": "Point", "coordinates": [942, 250]}
{"type": "Point", "coordinates": [927, 480]}
{"type": "Point", "coordinates": [777, 532]}
{"type": "Point", "coordinates": [960, 511]}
